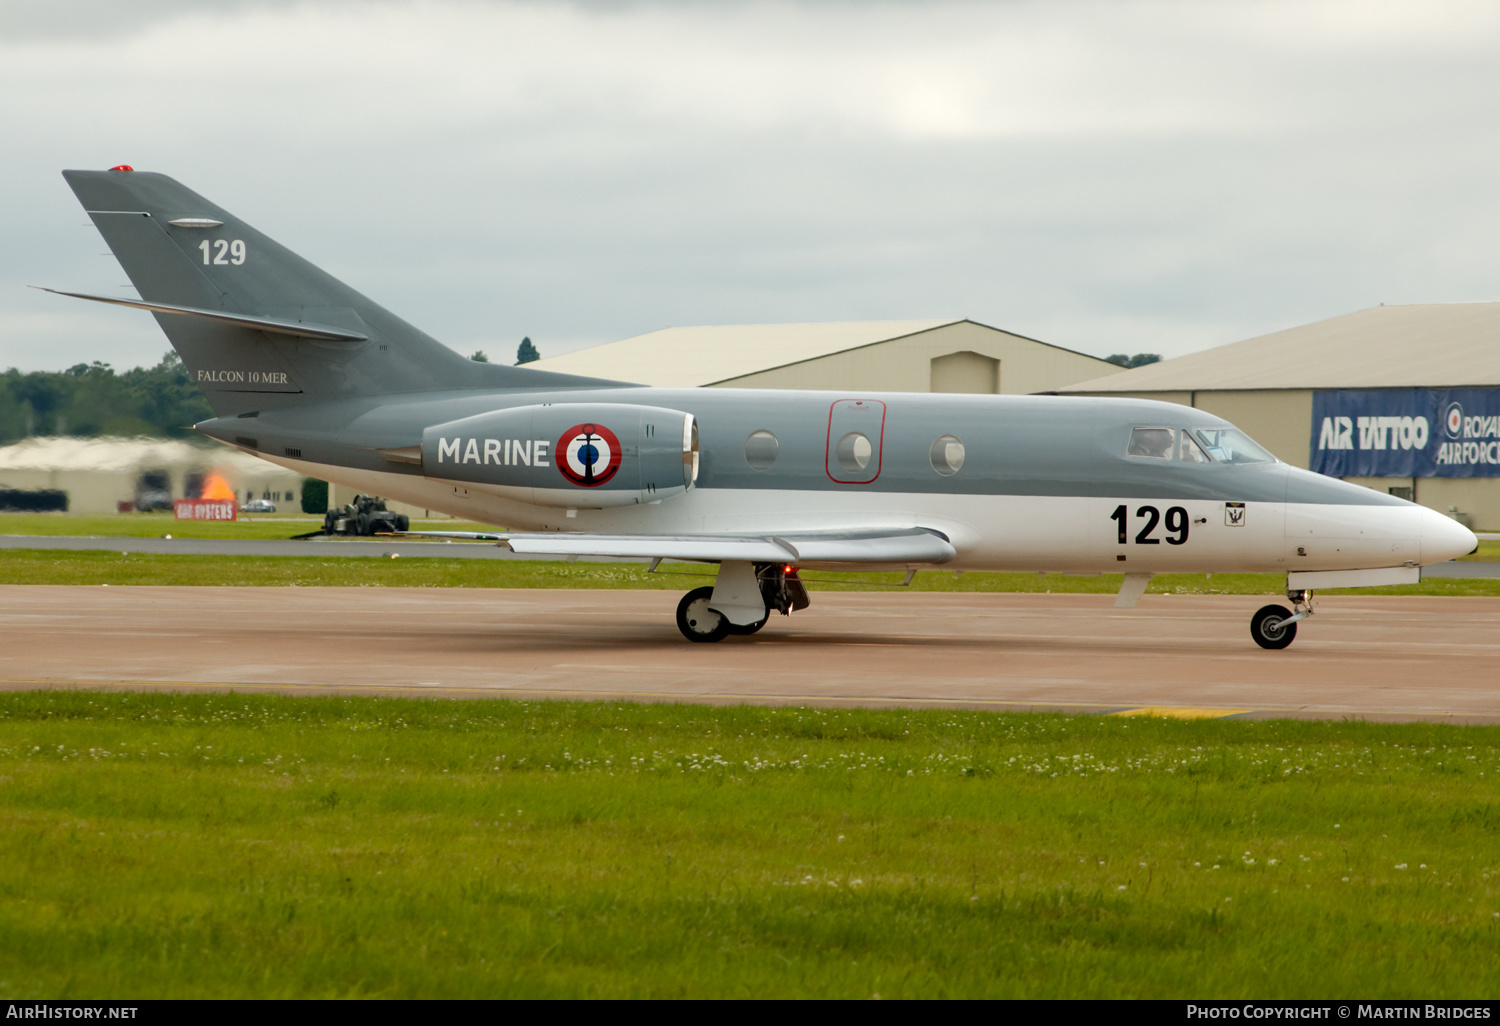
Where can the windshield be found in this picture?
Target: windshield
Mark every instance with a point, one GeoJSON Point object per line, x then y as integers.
{"type": "Point", "coordinates": [1230, 445]}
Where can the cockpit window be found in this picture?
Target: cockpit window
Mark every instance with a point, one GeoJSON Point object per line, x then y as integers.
{"type": "Point", "coordinates": [1229, 445]}
{"type": "Point", "coordinates": [1155, 442]}
{"type": "Point", "coordinates": [1188, 451]}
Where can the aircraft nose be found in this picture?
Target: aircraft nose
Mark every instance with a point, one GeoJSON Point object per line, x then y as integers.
{"type": "Point", "coordinates": [1444, 538]}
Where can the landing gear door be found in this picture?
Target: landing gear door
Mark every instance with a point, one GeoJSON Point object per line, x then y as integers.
{"type": "Point", "coordinates": [856, 430]}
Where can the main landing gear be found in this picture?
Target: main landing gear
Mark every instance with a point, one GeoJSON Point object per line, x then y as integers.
{"type": "Point", "coordinates": [741, 600]}
{"type": "Point", "coordinates": [1276, 626]}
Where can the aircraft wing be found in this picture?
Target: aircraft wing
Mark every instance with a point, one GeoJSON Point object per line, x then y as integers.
{"type": "Point", "coordinates": [914, 545]}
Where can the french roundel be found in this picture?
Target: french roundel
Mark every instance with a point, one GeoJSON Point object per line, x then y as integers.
{"type": "Point", "coordinates": [1454, 420]}
{"type": "Point", "coordinates": [590, 454]}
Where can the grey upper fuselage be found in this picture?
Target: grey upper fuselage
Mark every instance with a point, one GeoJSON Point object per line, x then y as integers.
{"type": "Point", "coordinates": [1014, 445]}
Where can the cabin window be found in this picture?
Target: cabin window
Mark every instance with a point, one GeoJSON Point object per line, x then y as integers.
{"type": "Point", "coordinates": [854, 452]}
{"type": "Point", "coordinates": [947, 455]}
{"type": "Point", "coordinates": [1229, 445]}
{"type": "Point", "coordinates": [761, 449]}
{"type": "Point", "coordinates": [1153, 442]}
{"type": "Point", "coordinates": [1188, 451]}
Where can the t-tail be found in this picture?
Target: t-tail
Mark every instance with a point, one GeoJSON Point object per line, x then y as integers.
{"type": "Point", "coordinates": [257, 326]}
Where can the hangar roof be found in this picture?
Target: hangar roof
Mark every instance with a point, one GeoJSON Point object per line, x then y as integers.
{"type": "Point", "coordinates": [691, 357]}
{"type": "Point", "coordinates": [1430, 345]}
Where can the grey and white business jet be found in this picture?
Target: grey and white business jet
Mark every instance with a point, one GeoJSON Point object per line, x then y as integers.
{"type": "Point", "coordinates": [303, 371]}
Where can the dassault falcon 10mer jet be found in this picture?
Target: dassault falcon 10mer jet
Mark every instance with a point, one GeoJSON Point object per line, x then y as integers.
{"type": "Point", "coordinates": [305, 372]}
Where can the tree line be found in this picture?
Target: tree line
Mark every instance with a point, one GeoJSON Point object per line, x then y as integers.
{"type": "Point", "coordinates": [90, 399]}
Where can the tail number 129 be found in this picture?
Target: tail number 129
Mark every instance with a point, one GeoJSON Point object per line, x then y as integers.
{"type": "Point", "coordinates": [223, 251]}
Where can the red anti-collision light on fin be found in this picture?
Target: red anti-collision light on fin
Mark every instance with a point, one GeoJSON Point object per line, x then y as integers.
{"type": "Point", "coordinates": [122, 167]}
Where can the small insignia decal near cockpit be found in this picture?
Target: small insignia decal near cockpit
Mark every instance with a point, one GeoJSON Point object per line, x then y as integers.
{"type": "Point", "coordinates": [1234, 514]}
{"type": "Point", "coordinates": [591, 454]}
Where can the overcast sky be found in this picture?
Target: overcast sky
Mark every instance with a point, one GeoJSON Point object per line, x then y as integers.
{"type": "Point", "coordinates": [1112, 177]}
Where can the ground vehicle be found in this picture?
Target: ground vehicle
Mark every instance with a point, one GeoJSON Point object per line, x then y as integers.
{"type": "Point", "coordinates": [153, 491]}
{"type": "Point", "coordinates": [258, 506]}
{"type": "Point", "coordinates": [365, 516]}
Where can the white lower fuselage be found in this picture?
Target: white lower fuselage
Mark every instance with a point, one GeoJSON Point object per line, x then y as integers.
{"type": "Point", "coordinates": [1066, 534]}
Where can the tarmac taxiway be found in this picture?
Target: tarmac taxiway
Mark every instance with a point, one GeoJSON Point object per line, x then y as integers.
{"type": "Point", "coordinates": [1368, 657]}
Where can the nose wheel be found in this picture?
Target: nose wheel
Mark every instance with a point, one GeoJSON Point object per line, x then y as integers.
{"type": "Point", "coordinates": [1275, 627]}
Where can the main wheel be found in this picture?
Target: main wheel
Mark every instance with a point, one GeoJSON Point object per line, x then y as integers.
{"type": "Point", "coordinates": [696, 621]}
{"type": "Point", "coordinates": [1266, 627]}
{"type": "Point", "coordinates": [749, 628]}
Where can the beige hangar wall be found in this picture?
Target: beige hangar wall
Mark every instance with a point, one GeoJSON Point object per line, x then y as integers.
{"type": "Point", "coordinates": [962, 357]}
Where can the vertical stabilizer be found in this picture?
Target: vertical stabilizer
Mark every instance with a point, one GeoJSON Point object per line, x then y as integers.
{"type": "Point", "coordinates": [180, 250]}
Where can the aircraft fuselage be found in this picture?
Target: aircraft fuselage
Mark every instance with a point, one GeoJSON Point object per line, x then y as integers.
{"type": "Point", "coordinates": [1045, 483]}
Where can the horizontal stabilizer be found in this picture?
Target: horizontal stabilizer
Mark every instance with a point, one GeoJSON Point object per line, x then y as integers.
{"type": "Point", "coordinates": [274, 325]}
{"type": "Point", "coordinates": [917, 545]}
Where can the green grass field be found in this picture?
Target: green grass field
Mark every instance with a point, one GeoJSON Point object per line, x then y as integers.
{"type": "Point", "coordinates": [49, 566]}
{"type": "Point", "coordinates": [163, 845]}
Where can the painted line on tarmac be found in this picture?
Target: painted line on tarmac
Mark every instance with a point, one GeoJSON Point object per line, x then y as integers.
{"type": "Point", "coordinates": [1179, 712]}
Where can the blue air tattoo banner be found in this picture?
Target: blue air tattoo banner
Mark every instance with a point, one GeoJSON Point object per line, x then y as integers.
{"type": "Point", "coordinates": [1407, 432]}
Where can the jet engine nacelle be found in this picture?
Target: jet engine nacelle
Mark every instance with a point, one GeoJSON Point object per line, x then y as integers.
{"type": "Point", "coordinates": [577, 455]}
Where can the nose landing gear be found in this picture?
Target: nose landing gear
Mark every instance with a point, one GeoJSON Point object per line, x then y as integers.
{"type": "Point", "coordinates": [742, 592]}
{"type": "Point", "coordinates": [1275, 626]}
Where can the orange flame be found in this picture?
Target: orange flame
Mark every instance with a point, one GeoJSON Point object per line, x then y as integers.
{"type": "Point", "coordinates": [215, 487]}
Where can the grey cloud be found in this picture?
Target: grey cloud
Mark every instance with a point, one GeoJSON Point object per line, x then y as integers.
{"type": "Point", "coordinates": [1108, 177]}
{"type": "Point", "coordinates": [24, 20]}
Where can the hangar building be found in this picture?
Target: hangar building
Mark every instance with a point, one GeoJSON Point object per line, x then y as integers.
{"type": "Point", "coordinates": [1405, 399]}
{"type": "Point", "coordinates": [102, 475]}
{"type": "Point", "coordinates": [875, 356]}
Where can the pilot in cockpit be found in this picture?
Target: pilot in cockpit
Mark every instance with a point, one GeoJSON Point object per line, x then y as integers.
{"type": "Point", "coordinates": [1154, 442]}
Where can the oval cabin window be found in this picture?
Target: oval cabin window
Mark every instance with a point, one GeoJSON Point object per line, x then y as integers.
{"type": "Point", "coordinates": [854, 452]}
{"type": "Point", "coordinates": [947, 455]}
{"type": "Point", "coordinates": [761, 449]}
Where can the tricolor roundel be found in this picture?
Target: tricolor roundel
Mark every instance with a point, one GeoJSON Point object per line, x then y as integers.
{"type": "Point", "coordinates": [1453, 420]}
{"type": "Point", "coordinates": [589, 454]}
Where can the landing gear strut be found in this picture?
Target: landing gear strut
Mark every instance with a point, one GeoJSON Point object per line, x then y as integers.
{"type": "Point", "coordinates": [741, 600]}
{"type": "Point", "coordinates": [1276, 626]}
